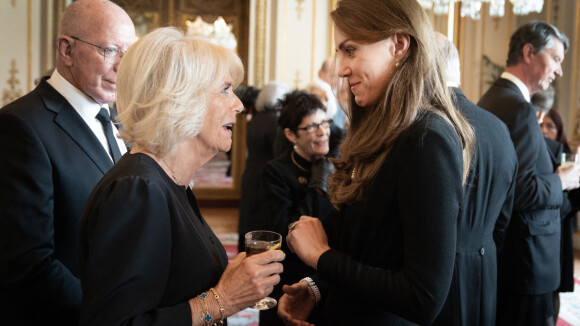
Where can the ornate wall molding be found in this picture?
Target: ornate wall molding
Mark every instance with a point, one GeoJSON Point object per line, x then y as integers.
{"type": "Point", "coordinates": [260, 43]}
{"type": "Point", "coordinates": [13, 92]}
{"type": "Point", "coordinates": [299, 9]}
{"type": "Point", "coordinates": [313, 44]}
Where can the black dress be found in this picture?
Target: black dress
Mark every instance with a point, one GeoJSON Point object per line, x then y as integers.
{"type": "Point", "coordinates": [392, 253]}
{"type": "Point", "coordinates": [144, 248]}
{"type": "Point", "coordinates": [286, 197]}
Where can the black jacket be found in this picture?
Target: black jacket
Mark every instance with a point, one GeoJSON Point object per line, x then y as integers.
{"type": "Point", "coordinates": [529, 262]}
{"type": "Point", "coordinates": [485, 209]}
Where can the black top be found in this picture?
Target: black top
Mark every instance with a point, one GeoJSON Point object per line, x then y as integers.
{"type": "Point", "coordinates": [284, 197]}
{"type": "Point", "coordinates": [486, 208]}
{"type": "Point", "coordinates": [144, 248]}
{"type": "Point", "coordinates": [392, 253]}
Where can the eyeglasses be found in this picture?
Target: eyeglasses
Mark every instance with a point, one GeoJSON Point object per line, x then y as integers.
{"type": "Point", "coordinates": [110, 55]}
{"type": "Point", "coordinates": [313, 127]}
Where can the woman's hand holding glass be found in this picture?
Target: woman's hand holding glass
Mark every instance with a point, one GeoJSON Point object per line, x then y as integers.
{"type": "Point", "coordinates": [249, 279]}
{"type": "Point", "coordinates": [569, 171]}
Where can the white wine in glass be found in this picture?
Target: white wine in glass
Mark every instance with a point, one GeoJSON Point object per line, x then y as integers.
{"type": "Point", "coordinates": [258, 242]}
{"type": "Point", "coordinates": [568, 159]}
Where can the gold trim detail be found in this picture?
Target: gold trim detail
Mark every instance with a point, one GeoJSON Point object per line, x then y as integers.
{"type": "Point", "coordinates": [12, 93]}
{"type": "Point", "coordinates": [299, 8]}
{"type": "Point", "coordinates": [29, 50]}
{"type": "Point", "coordinates": [312, 52]}
{"type": "Point", "coordinates": [296, 163]}
{"type": "Point", "coordinates": [297, 79]}
{"type": "Point", "coordinates": [260, 43]}
{"type": "Point", "coordinates": [284, 46]}
{"type": "Point", "coordinates": [332, 6]}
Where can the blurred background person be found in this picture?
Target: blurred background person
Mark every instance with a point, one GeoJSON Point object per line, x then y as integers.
{"type": "Point", "coordinates": [553, 129]}
{"type": "Point", "coordinates": [147, 256]}
{"type": "Point", "coordinates": [248, 97]}
{"type": "Point", "coordinates": [485, 210]}
{"type": "Point", "coordinates": [56, 143]}
{"type": "Point", "coordinates": [337, 134]}
{"type": "Point", "coordinates": [326, 96]}
{"type": "Point", "coordinates": [398, 183]}
{"type": "Point", "coordinates": [543, 102]}
{"type": "Point", "coordinates": [261, 134]}
{"type": "Point", "coordinates": [529, 262]}
{"type": "Point", "coordinates": [327, 74]}
{"type": "Point", "coordinates": [296, 182]}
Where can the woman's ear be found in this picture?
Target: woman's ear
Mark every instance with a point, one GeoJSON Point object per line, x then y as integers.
{"type": "Point", "coordinates": [402, 42]}
{"type": "Point", "coordinates": [290, 135]}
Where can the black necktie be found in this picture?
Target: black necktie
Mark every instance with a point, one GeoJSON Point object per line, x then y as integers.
{"type": "Point", "coordinates": [105, 120]}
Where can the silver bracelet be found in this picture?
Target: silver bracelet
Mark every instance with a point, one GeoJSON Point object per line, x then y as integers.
{"type": "Point", "coordinates": [312, 285]}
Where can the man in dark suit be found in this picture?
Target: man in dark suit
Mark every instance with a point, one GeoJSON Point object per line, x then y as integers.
{"type": "Point", "coordinates": [486, 208]}
{"type": "Point", "coordinates": [528, 264]}
{"type": "Point", "coordinates": [54, 151]}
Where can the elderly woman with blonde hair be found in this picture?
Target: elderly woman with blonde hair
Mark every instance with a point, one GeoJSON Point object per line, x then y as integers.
{"type": "Point", "coordinates": [147, 256]}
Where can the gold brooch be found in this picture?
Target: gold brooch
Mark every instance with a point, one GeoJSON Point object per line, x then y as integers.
{"type": "Point", "coordinates": [302, 180]}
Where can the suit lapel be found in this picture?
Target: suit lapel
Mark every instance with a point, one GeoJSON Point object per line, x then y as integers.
{"type": "Point", "coordinates": [68, 119]}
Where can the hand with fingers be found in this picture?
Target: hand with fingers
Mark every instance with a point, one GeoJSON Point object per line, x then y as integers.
{"type": "Point", "coordinates": [296, 304]}
{"type": "Point", "coordinates": [249, 279]}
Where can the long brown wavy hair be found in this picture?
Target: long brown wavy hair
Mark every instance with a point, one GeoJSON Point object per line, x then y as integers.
{"type": "Point", "coordinates": [417, 86]}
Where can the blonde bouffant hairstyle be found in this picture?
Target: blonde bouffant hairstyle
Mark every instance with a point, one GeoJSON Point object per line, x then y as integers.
{"type": "Point", "coordinates": [416, 86]}
{"type": "Point", "coordinates": [163, 86]}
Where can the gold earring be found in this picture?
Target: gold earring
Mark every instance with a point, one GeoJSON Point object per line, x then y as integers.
{"type": "Point", "coordinates": [396, 64]}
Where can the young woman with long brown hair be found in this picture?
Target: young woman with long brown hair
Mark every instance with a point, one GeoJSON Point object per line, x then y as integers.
{"type": "Point", "coordinates": [388, 258]}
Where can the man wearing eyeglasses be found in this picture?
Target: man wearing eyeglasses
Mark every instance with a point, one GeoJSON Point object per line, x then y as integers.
{"type": "Point", "coordinates": [56, 143]}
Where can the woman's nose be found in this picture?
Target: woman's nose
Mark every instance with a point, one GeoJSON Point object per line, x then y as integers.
{"type": "Point", "coordinates": [342, 69]}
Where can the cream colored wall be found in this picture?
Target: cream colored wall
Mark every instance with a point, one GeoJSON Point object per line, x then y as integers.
{"type": "Point", "coordinates": [297, 39]}
{"type": "Point", "coordinates": [26, 26]}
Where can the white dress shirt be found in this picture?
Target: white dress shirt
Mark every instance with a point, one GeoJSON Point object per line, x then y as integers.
{"type": "Point", "coordinates": [86, 108]}
{"type": "Point", "coordinates": [520, 84]}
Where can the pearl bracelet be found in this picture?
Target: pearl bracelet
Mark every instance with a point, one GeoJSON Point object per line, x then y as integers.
{"type": "Point", "coordinates": [312, 285]}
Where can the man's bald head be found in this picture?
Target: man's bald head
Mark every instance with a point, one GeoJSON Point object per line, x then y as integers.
{"type": "Point", "coordinates": [82, 16]}
{"type": "Point", "coordinates": [87, 28]}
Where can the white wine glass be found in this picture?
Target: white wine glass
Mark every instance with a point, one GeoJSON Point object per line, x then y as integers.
{"type": "Point", "coordinates": [258, 242]}
{"type": "Point", "coordinates": [567, 159]}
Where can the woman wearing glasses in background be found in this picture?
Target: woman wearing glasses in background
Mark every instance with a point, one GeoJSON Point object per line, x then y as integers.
{"type": "Point", "coordinates": [295, 183]}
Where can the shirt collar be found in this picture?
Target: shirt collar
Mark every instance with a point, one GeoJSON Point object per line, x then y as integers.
{"type": "Point", "coordinates": [523, 88]}
{"type": "Point", "coordinates": [84, 105]}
